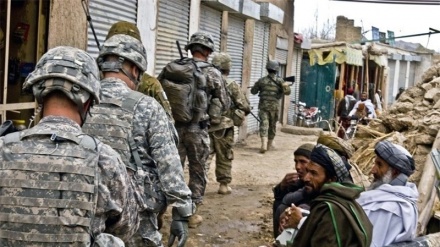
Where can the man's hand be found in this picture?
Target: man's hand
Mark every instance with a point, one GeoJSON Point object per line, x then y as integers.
{"type": "Point", "coordinates": [290, 217]}
{"type": "Point", "coordinates": [290, 178]}
{"type": "Point", "coordinates": [179, 229]}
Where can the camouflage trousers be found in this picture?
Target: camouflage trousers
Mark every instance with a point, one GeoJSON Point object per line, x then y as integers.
{"type": "Point", "coordinates": [221, 145]}
{"type": "Point", "coordinates": [148, 234]}
{"type": "Point", "coordinates": [268, 124]}
{"type": "Point", "coordinates": [194, 145]}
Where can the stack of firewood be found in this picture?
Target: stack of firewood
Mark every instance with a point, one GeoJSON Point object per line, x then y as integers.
{"type": "Point", "coordinates": [413, 122]}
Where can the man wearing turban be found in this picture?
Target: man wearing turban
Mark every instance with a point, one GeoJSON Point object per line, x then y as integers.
{"type": "Point", "coordinates": [335, 218]}
{"type": "Point", "coordinates": [391, 201]}
{"type": "Point", "coordinates": [290, 189]}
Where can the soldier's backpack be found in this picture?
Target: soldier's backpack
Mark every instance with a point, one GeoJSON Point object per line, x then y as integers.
{"type": "Point", "coordinates": [111, 123]}
{"type": "Point", "coordinates": [185, 85]}
{"type": "Point", "coordinates": [49, 188]}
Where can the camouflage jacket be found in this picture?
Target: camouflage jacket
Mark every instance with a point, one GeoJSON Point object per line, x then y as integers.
{"type": "Point", "coordinates": [154, 135]}
{"type": "Point", "coordinates": [238, 98]}
{"type": "Point", "coordinates": [150, 86]}
{"type": "Point", "coordinates": [116, 208]}
{"type": "Point", "coordinates": [270, 91]}
{"type": "Point", "coordinates": [216, 87]}
{"type": "Point", "coordinates": [238, 101]}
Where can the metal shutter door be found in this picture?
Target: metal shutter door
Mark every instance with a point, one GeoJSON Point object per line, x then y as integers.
{"type": "Point", "coordinates": [104, 13]}
{"type": "Point", "coordinates": [259, 60]}
{"type": "Point", "coordinates": [212, 24]}
{"type": "Point", "coordinates": [296, 70]}
{"type": "Point", "coordinates": [235, 48]}
{"type": "Point", "coordinates": [172, 25]}
{"type": "Point", "coordinates": [281, 56]}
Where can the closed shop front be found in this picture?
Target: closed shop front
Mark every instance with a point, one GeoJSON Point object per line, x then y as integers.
{"type": "Point", "coordinates": [296, 70]}
{"type": "Point", "coordinates": [172, 26]}
{"type": "Point", "coordinates": [259, 60]}
{"type": "Point", "coordinates": [104, 13]}
{"type": "Point", "coordinates": [235, 47]}
{"type": "Point", "coordinates": [212, 24]}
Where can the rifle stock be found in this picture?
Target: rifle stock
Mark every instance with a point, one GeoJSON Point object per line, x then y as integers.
{"type": "Point", "coordinates": [180, 49]}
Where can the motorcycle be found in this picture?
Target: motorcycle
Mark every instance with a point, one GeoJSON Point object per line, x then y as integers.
{"type": "Point", "coordinates": [354, 121]}
{"type": "Point", "coordinates": [299, 113]}
{"type": "Point", "coordinates": [305, 116]}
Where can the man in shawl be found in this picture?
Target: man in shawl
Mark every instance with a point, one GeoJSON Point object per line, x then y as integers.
{"type": "Point", "coordinates": [335, 219]}
{"type": "Point", "coordinates": [290, 189]}
{"type": "Point", "coordinates": [391, 201]}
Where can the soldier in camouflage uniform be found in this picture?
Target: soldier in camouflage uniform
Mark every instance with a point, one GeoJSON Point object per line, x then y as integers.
{"type": "Point", "coordinates": [148, 148]}
{"type": "Point", "coordinates": [270, 89]}
{"type": "Point", "coordinates": [148, 85]}
{"type": "Point", "coordinates": [222, 135]}
{"type": "Point", "coordinates": [61, 187]}
{"type": "Point", "coordinates": [193, 137]}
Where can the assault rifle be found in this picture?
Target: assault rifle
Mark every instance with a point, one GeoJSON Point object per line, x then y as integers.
{"type": "Point", "coordinates": [180, 49]}
{"type": "Point", "coordinates": [255, 117]}
{"type": "Point", "coordinates": [288, 78]}
{"type": "Point", "coordinates": [89, 19]}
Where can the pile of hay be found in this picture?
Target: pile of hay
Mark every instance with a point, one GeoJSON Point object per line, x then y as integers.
{"type": "Point", "coordinates": [413, 122]}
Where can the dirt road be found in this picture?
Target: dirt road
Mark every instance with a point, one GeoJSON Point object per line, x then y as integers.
{"type": "Point", "coordinates": [244, 218]}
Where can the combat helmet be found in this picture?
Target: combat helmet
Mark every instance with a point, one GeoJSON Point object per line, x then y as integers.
{"type": "Point", "coordinates": [124, 27]}
{"type": "Point", "coordinates": [68, 69]}
{"type": "Point", "coordinates": [126, 48]}
{"type": "Point", "coordinates": [201, 38]}
{"type": "Point", "coordinates": [273, 65]}
{"type": "Point", "coordinates": [222, 61]}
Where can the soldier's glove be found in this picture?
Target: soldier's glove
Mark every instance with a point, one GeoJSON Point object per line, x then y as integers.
{"type": "Point", "coordinates": [179, 226]}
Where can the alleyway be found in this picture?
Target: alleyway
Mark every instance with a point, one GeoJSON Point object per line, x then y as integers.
{"type": "Point", "coordinates": [243, 218]}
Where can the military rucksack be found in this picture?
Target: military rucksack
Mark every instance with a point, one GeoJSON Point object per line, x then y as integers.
{"type": "Point", "coordinates": [111, 121]}
{"type": "Point", "coordinates": [49, 189]}
{"type": "Point", "coordinates": [185, 86]}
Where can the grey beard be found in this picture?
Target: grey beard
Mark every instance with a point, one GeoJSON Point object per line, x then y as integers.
{"type": "Point", "coordinates": [386, 179]}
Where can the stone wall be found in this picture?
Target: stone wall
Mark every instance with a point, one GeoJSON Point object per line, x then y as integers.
{"type": "Point", "coordinates": [346, 31]}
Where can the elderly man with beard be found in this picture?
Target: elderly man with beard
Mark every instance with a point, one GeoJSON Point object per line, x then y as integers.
{"type": "Point", "coordinates": [391, 201]}
{"type": "Point", "coordinates": [335, 218]}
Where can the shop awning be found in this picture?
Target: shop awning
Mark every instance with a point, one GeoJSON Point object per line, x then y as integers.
{"type": "Point", "coordinates": [339, 54]}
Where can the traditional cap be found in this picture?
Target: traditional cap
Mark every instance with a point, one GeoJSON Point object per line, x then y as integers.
{"type": "Point", "coordinates": [396, 156]}
{"type": "Point", "coordinates": [304, 150]}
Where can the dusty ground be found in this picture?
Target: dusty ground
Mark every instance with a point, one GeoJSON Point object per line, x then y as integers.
{"type": "Point", "coordinates": [244, 218]}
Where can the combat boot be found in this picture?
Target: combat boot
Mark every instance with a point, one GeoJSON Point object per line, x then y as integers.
{"type": "Point", "coordinates": [195, 220]}
{"type": "Point", "coordinates": [270, 144]}
{"type": "Point", "coordinates": [224, 189]}
{"type": "Point", "coordinates": [263, 148]}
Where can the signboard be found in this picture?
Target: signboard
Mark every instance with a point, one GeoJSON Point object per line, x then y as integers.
{"type": "Point", "coordinates": [375, 33]}
{"type": "Point", "coordinates": [382, 37]}
{"type": "Point", "coordinates": [391, 40]}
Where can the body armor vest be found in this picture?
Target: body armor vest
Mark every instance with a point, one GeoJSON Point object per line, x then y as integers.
{"type": "Point", "coordinates": [271, 89]}
{"type": "Point", "coordinates": [111, 122]}
{"type": "Point", "coordinates": [49, 189]}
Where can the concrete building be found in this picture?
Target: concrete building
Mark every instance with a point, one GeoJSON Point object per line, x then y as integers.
{"type": "Point", "coordinates": [250, 30]}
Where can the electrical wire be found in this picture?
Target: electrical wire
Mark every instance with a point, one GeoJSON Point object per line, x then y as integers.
{"type": "Point", "coordinates": [410, 2]}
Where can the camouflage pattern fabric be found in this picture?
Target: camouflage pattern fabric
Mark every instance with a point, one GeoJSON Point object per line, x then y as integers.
{"type": "Point", "coordinates": [222, 139]}
{"type": "Point", "coordinates": [194, 140]}
{"type": "Point", "coordinates": [270, 94]}
{"type": "Point", "coordinates": [201, 38]}
{"type": "Point", "coordinates": [106, 240]}
{"type": "Point", "coordinates": [152, 134]}
{"type": "Point", "coordinates": [216, 86]}
{"type": "Point", "coordinates": [268, 121]}
{"type": "Point", "coordinates": [150, 86]}
{"type": "Point", "coordinates": [238, 98]}
{"type": "Point", "coordinates": [44, 171]}
{"type": "Point", "coordinates": [221, 146]}
{"type": "Point", "coordinates": [194, 145]}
